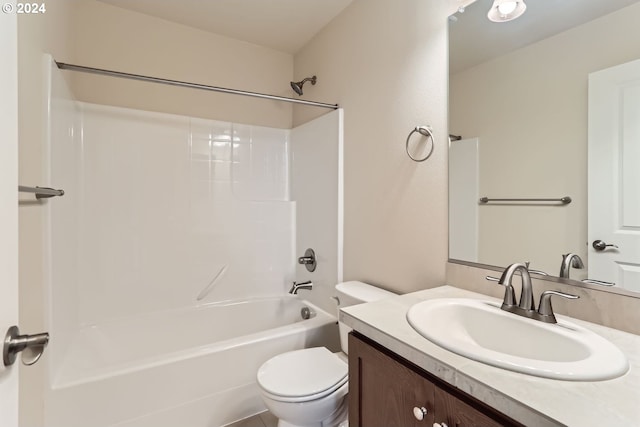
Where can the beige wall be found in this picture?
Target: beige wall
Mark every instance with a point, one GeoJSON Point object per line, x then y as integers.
{"type": "Point", "coordinates": [385, 64]}
{"type": "Point", "coordinates": [529, 109]}
{"type": "Point", "coordinates": [113, 38]}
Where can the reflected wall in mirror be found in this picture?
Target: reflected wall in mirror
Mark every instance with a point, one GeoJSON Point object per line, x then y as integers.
{"type": "Point", "coordinates": [518, 96]}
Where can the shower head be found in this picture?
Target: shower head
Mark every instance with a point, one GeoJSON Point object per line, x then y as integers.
{"type": "Point", "coordinates": [297, 86]}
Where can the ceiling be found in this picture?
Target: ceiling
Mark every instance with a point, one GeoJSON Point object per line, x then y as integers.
{"type": "Point", "coordinates": [473, 39]}
{"type": "Point", "coordinates": [283, 25]}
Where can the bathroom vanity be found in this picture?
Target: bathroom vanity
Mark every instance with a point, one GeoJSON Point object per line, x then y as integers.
{"type": "Point", "coordinates": [395, 373]}
{"type": "Point", "coordinates": [386, 389]}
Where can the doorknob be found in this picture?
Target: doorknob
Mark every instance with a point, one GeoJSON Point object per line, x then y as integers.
{"type": "Point", "coordinates": [31, 346]}
{"type": "Point", "coordinates": [600, 245]}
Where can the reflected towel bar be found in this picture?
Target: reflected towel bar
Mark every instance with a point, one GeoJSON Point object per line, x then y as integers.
{"type": "Point", "coordinates": [564, 200]}
{"type": "Point", "coordinates": [41, 192]}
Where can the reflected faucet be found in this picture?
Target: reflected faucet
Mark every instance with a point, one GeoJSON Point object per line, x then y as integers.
{"type": "Point", "coordinates": [570, 260]}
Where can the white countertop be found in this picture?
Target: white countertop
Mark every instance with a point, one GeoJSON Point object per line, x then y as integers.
{"type": "Point", "coordinates": [530, 400]}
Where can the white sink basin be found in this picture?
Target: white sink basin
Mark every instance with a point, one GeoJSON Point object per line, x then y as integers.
{"type": "Point", "coordinates": [481, 331]}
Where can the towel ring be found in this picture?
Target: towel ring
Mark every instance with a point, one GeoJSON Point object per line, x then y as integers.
{"type": "Point", "coordinates": [424, 131]}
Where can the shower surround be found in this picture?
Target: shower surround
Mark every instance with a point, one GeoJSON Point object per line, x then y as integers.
{"type": "Point", "coordinates": [189, 222]}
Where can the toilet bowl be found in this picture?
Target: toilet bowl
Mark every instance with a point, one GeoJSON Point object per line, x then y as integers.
{"type": "Point", "coordinates": [305, 387]}
{"type": "Point", "coordinates": [308, 387]}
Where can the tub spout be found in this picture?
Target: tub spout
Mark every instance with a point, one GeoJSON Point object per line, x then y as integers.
{"type": "Point", "coordinates": [297, 286]}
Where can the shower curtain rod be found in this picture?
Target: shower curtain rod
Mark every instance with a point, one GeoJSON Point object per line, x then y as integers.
{"type": "Point", "coordinates": [63, 66]}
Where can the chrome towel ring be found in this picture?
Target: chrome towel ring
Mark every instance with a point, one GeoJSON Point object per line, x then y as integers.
{"type": "Point", "coordinates": [426, 132]}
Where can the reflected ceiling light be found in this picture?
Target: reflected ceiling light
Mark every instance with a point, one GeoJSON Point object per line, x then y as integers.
{"type": "Point", "coordinates": [506, 10]}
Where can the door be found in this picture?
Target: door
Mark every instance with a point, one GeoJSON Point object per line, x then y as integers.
{"type": "Point", "coordinates": [8, 206]}
{"type": "Point", "coordinates": [614, 175]}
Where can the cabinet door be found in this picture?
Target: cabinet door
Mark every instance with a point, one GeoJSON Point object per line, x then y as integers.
{"type": "Point", "coordinates": [456, 413]}
{"type": "Point", "coordinates": [384, 392]}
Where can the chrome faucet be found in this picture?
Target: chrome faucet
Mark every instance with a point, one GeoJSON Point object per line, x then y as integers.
{"type": "Point", "coordinates": [570, 260]}
{"type": "Point", "coordinates": [297, 286]}
{"type": "Point", "coordinates": [526, 306]}
{"type": "Point", "coordinates": [526, 294]}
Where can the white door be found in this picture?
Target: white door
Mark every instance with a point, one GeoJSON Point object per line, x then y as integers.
{"type": "Point", "coordinates": [8, 208]}
{"type": "Point", "coordinates": [614, 175]}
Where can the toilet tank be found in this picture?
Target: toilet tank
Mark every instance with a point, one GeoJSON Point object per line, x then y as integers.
{"type": "Point", "coordinates": [352, 293]}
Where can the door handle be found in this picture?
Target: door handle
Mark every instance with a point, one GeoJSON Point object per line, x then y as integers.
{"type": "Point", "coordinates": [600, 245]}
{"type": "Point", "coordinates": [31, 346]}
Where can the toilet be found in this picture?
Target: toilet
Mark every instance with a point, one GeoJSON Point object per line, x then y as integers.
{"type": "Point", "coordinates": [308, 387]}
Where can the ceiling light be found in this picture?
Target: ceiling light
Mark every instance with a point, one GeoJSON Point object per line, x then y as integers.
{"type": "Point", "coordinates": [506, 10]}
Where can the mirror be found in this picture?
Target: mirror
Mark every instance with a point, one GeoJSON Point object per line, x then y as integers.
{"type": "Point", "coordinates": [518, 97]}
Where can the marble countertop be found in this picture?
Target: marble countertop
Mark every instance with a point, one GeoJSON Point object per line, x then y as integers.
{"type": "Point", "coordinates": [530, 400]}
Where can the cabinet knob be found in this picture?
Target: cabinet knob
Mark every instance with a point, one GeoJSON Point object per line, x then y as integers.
{"type": "Point", "coordinates": [419, 413]}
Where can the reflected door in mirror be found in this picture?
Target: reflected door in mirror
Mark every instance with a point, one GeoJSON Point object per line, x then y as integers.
{"type": "Point", "coordinates": [614, 174]}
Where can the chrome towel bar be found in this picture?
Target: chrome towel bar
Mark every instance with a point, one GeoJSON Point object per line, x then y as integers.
{"type": "Point", "coordinates": [564, 200]}
{"type": "Point", "coordinates": [41, 192]}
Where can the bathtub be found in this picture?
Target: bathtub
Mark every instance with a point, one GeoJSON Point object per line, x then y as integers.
{"type": "Point", "coordinates": [191, 367]}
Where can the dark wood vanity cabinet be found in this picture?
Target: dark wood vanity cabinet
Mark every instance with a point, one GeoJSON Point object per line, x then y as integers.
{"type": "Point", "coordinates": [385, 391]}
{"type": "Point", "coordinates": [454, 412]}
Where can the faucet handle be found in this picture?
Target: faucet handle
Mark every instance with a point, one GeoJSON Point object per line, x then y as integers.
{"type": "Point", "coordinates": [538, 272]}
{"type": "Point", "coordinates": [545, 310]}
{"type": "Point", "coordinates": [598, 282]}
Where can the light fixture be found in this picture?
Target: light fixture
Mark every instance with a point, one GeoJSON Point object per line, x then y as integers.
{"type": "Point", "coordinates": [506, 10]}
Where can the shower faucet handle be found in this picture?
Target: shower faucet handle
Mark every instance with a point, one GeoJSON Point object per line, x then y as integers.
{"type": "Point", "coordinates": [308, 260]}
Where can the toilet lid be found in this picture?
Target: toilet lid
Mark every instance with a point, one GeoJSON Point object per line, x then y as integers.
{"type": "Point", "coordinates": [305, 372]}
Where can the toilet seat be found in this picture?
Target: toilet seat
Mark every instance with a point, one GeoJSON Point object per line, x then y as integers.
{"type": "Point", "coordinates": [302, 375]}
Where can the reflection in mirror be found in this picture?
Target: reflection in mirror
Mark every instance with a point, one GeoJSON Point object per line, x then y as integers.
{"type": "Point", "coordinates": [519, 97]}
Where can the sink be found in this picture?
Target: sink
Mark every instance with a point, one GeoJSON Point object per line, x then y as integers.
{"type": "Point", "coordinates": [481, 331]}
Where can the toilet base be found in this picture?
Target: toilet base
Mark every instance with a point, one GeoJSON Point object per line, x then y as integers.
{"type": "Point", "coordinates": [338, 419]}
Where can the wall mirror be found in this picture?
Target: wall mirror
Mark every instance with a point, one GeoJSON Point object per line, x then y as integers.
{"type": "Point", "coordinates": [519, 99]}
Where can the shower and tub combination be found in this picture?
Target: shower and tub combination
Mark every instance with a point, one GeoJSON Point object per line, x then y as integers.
{"type": "Point", "coordinates": [170, 258]}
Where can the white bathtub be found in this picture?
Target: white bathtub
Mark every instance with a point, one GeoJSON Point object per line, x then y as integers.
{"type": "Point", "coordinates": [191, 367]}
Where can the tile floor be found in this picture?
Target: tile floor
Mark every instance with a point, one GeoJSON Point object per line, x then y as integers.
{"type": "Point", "coordinates": [265, 419]}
